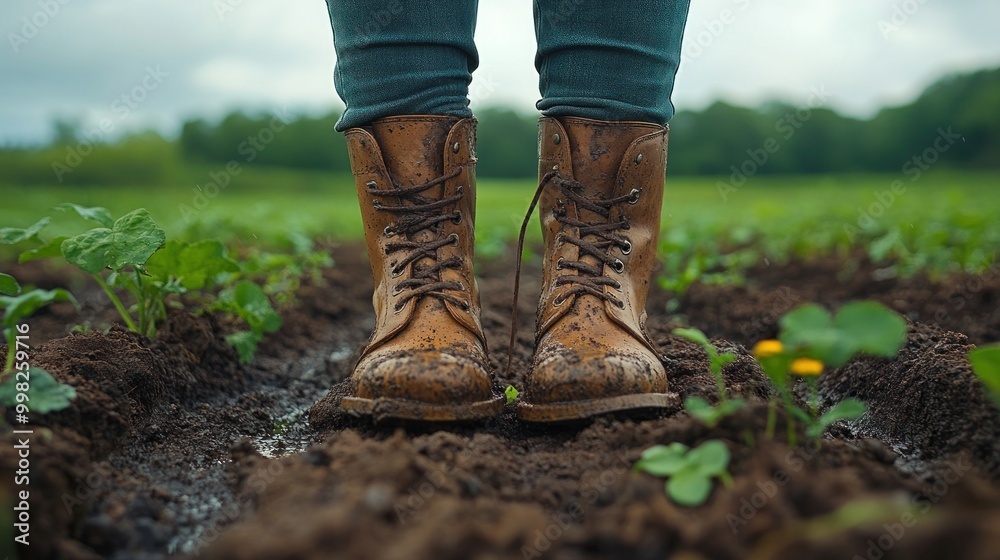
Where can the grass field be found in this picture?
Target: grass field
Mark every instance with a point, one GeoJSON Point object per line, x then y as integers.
{"type": "Point", "coordinates": [943, 220]}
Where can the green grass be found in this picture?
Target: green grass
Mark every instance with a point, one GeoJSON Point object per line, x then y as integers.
{"type": "Point", "coordinates": [949, 216]}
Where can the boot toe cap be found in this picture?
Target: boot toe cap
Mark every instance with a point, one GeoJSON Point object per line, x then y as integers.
{"type": "Point", "coordinates": [570, 375]}
{"type": "Point", "coordinates": [428, 376]}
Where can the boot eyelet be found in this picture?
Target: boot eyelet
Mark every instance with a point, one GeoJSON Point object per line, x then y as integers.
{"type": "Point", "coordinates": [638, 159]}
{"type": "Point", "coordinates": [617, 285]}
{"type": "Point", "coordinates": [558, 300]}
{"type": "Point", "coordinates": [388, 231]}
{"type": "Point", "coordinates": [396, 290]}
{"type": "Point", "coordinates": [627, 247]}
{"type": "Point", "coordinates": [454, 238]}
{"type": "Point", "coordinates": [458, 217]}
{"type": "Point", "coordinates": [619, 303]}
{"type": "Point", "coordinates": [371, 184]}
{"type": "Point", "coordinates": [556, 138]}
{"type": "Point", "coordinates": [395, 273]}
{"type": "Point", "coordinates": [633, 196]}
{"type": "Point", "coordinates": [618, 266]}
{"type": "Point", "coordinates": [559, 264]}
{"type": "Point", "coordinates": [466, 305]}
{"type": "Point", "coordinates": [456, 147]}
{"type": "Point", "coordinates": [397, 309]}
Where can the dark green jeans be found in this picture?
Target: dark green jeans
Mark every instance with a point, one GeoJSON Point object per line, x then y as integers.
{"type": "Point", "coordinates": [603, 60]}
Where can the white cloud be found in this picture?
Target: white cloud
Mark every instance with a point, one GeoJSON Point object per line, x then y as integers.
{"type": "Point", "coordinates": [265, 55]}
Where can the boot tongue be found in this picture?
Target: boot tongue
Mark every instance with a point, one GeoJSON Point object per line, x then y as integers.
{"type": "Point", "coordinates": [597, 150]}
{"type": "Point", "coordinates": [413, 151]}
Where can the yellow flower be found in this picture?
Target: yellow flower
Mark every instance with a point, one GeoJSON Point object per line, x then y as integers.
{"type": "Point", "coordinates": [806, 367]}
{"type": "Point", "coordinates": [767, 348]}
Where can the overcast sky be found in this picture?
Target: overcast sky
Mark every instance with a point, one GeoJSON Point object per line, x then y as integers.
{"type": "Point", "coordinates": [174, 59]}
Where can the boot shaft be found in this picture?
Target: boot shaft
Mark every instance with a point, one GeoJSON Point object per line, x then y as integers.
{"type": "Point", "coordinates": [605, 161]}
{"type": "Point", "coordinates": [420, 240]}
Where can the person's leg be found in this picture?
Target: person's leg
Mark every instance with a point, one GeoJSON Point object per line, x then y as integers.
{"type": "Point", "coordinates": [403, 57]}
{"type": "Point", "coordinates": [609, 61]}
{"type": "Point", "coordinates": [606, 73]}
{"type": "Point", "coordinates": [403, 69]}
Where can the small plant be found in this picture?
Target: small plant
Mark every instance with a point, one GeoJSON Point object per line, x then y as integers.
{"type": "Point", "coordinates": [132, 256]}
{"type": "Point", "coordinates": [986, 365]}
{"type": "Point", "coordinates": [511, 393]}
{"type": "Point", "coordinates": [690, 470]}
{"type": "Point", "coordinates": [248, 301]}
{"type": "Point", "coordinates": [19, 306]}
{"type": "Point", "coordinates": [699, 407]}
{"type": "Point", "coordinates": [812, 340]}
{"type": "Point", "coordinates": [23, 387]}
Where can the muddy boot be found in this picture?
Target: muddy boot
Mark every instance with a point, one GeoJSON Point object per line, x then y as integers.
{"type": "Point", "coordinates": [427, 358]}
{"type": "Point", "coordinates": [600, 196]}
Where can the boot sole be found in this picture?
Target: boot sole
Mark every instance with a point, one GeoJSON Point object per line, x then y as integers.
{"type": "Point", "coordinates": [402, 409]}
{"type": "Point", "coordinates": [576, 410]}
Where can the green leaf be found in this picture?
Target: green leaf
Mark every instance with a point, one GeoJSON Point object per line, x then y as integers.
{"type": "Point", "coordinates": [10, 236]}
{"type": "Point", "coordinates": [9, 286]}
{"type": "Point", "coordinates": [130, 241]}
{"type": "Point", "coordinates": [23, 306]}
{"type": "Point", "coordinates": [51, 248]}
{"type": "Point", "coordinates": [710, 458]}
{"type": "Point", "coordinates": [94, 214]}
{"type": "Point", "coordinates": [811, 328]}
{"type": "Point", "coordinates": [694, 335]}
{"type": "Point", "coordinates": [986, 365]}
{"type": "Point", "coordinates": [193, 264]}
{"type": "Point", "coordinates": [245, 344]}
{"type": "Point", "coordinates": [45, 394]}
{"type": "Point", "coordinates": [249, 301]}
{"type": "Point", "coordinates": [689, 488]}
{"type": "Point", "coordinates": [719, 361]}
{"type": "Point", "coordinates": [511, 393]}
{"type": "Point", "coordinates": [847, 409]}
{"type": "Point", "coordinates": [874, 328]}
{"type": "Point", "coordinates": [663, 460]}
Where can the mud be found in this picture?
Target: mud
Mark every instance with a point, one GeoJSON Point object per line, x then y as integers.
{"type": "Point", "coordinates": [173, 448]}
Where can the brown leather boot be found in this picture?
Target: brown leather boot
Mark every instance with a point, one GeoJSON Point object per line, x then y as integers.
{"type": "Point", "coordinates": [427, 358]}
{"type": "Point", "coordinates": [601, 193]}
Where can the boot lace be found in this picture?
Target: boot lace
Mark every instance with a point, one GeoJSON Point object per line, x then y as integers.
{"type": "Point", "coordinates": [421, 213]}
{"type": "Point", "coordinates": [595, 239]}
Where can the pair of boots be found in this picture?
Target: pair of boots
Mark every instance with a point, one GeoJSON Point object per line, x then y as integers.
{"type": "Point", "coordinates": [600, 194]}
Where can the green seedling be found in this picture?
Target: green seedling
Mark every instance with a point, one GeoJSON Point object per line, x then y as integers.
{"type": "Point", "coordinates": [690, 471]}
{"type": "Point", "coordinates": [247, 300]}
{"type": "Point", "coordinates": [27, 388]}
{"type": "Point", "coordinates": [699, 407]}
{"type": "Point", "coordinates": [9, 286]}
{"type": "Point", "coordinates": [986, 365]}
{"type": "Point", "coordinates": [131, 256]}
{"type": "Point", "coordinates": [812, 340]}
{"type": "Point", "coordinates": [511, 393]}
{"type": "Point", "coordinates": [18, 307]}
{"type": "Point", "coordinates": [35, 390]}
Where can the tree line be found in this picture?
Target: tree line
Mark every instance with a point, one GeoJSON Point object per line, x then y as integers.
{"type": "Point", "coordinates": [956, 122]}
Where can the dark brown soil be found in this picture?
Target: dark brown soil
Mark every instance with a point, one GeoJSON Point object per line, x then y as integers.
{"type": "Point", "coordinates": [172, 447]}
